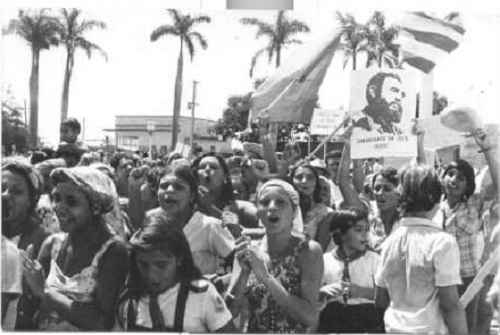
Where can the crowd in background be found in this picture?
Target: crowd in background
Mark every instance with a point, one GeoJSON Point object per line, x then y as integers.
{"type": "Point", "coordinates": [247, 242]}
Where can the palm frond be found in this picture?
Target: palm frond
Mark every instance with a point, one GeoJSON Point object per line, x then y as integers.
{"type": "Point", "coordinates": [200, 38]}
{"type": "Point", "coordinates": [292, 41]}
{"type": "Point", "coordinates": [176, 15]}
{"type": "Point", "coordinates": [87, 25]}
{"type": "Point", "coordinates": [190, 46]}
{"type": "Point", "coordinates": [164, 30]}
{"type": "Point", "coordinates": [202, 19]}
{"type": "Point", "coordinates": [89, 47]}
{"type": "Point", "coordinates": [254, 59]}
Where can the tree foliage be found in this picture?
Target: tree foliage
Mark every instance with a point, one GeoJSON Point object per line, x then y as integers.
{"type": "Point", "coordinates": [14, 130]}
{"type": "Point", "coordinates": [279, 35]}
{"type": "Point", "coordinates": [235, 115]}
{"type": "Point", "coordinates": [73, 30]}
{"type": "Point", "coordinates": [182, 27]}
{"type": "Point", "coordinates": [40, 31]}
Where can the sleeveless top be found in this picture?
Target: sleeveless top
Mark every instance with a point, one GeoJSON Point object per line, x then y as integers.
{"type": "Point", "coordinates": [79, 287]}
{"type": "Point", "coordinates": [266, 316]}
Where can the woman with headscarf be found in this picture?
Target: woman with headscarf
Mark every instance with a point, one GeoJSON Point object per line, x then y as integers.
{"type": "Point", "coordinates": [461, 214]}
{"type": "Point", "coordinates": [281, 277]}
{"type": "Point", "coordinates": [207, 237]}
{"type": "Point", "coordinates": [22, 186]}
{"type": "Point", "coordinates": [165, 290]}
{"type": "Point", "coordinates": [86, 265]}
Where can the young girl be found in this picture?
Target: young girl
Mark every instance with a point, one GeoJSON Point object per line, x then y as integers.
{"type": "Point", "coordinates": [349, 288]}
{"type": "Point", "coordinates": [165, 290]}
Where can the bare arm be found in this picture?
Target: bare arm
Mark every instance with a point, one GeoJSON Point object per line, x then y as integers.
{"type": "Point", "coordinates": [267, 146]}
{"type": "Point", "coordinates": [235, 293]}
{"type": "Point", "coordinates": [490, 154]}
{"type": "Point", "coordinates": [453, 312]}
{"type": "Point", "coordinates": [302, 308]}
{"type": "Point", "coordinates": [382, 299]}
{"type": "Point", "coordinates": [100, 314]}
{"type": "Point", "coordinates": [351, 197]}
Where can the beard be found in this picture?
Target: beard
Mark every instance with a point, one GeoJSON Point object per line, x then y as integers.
{"type": "Point", "coordinates": [384, 113]}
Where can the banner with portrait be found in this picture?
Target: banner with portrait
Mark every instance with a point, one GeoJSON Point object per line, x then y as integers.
{"type": "Point", "coordinates": [382, 106]}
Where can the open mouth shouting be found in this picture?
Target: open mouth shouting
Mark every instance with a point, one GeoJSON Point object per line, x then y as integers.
{"type": "Point", "coordinates": [272, 218]}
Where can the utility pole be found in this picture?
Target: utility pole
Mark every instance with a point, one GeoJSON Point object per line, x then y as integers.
{"type": "Point", "coordinates": [193, 104]}
{"type": "Point", "coordinates": [83, 130]}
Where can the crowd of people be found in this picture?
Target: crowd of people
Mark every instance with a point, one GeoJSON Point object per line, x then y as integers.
{"type": "Point", "coordinates": [247, 243]}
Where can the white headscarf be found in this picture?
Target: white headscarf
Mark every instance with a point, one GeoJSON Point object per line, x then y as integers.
{"type": "Point", "coordinates": [297, 224]}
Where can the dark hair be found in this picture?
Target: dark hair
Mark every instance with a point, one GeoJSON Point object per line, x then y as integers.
{"type": "Point", "coordinates": [180, 171]}
{"type": "Point", "coordinates": [333, 154]}
{"type": "Point", "coordinates": [468, 171]}
{"type": "Point", "coordinates": [421, 189]}
{"type": "Point", "coordinates": [378, 81]}
{"type": "Point", "coordinates": [343, 220]}
{"type": "Point", "coordinates": [33, 177]}
{"type": "Point", "coordinates": [69, 150]}
{"type": "Point", "coordinates": [390, 173]}
{"type": "Point", "coordinates": [72, 123]}
{"type": "Point", "coordinates": [158, 234]}
{"type": "Point", "coordinates": [227, 188]}
{"type": "Point", "coordinates": [38, 157]}
{"type": "Point", "coordinates": [293, 146]}
{"type": "Point", "coordinates": [317, 189]}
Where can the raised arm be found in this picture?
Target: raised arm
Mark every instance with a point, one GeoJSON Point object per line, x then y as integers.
{"type": "Point", "coordinates": [418, 130]}
{"type": "Point", "coordinates": [267, 146]}
{"type": "Point", "coordinates": [351, 196]}
{"type": "Point", "coordinates": [490, 154]}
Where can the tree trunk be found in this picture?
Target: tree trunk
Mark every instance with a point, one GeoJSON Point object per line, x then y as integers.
{"type": "Point", "coordinates": [278, 57]}
{"type": "Point", "coordinates": [177, 99]}
{"type": "Point", "coordinates": [70, 60]}
{"type": "Point", "coordinates": [354, 60]}
{"type": "Point", "coordinates": [35, 67]}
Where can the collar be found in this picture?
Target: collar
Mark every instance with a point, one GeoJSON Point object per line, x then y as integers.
{"type": "Point", "coordinates": [409, 222]}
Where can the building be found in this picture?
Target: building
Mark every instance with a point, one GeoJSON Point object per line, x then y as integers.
{"type": "Point", "coordinates": [131, 133]}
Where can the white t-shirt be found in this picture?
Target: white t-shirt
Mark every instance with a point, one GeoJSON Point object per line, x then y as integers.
{"type": "Point", "coordinates": [417, 259]}
{"type": "Point", "coordinates": [205, 311]}
{"type": "Point", "coordinates": [361, 272]}
{"type": "Point", "coordinates": [208, 240]}
{"type": "Point", "coordinates": [12, 280]}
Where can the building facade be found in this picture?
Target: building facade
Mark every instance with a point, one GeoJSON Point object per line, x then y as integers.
{"type": "Point", "coordinates": [131, 133]}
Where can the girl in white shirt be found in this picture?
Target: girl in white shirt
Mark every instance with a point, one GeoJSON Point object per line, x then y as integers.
{"type": "Point", "coordinates": [165, 290]}
{"type": "Point", "coordinates": [349, 288]}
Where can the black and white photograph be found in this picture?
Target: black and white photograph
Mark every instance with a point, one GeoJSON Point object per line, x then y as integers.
{"type": "Point", "coordinates": [237, 166]}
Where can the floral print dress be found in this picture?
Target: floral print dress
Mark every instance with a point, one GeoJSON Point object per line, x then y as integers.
{"type": "Point", "coordinates": [266, 316]}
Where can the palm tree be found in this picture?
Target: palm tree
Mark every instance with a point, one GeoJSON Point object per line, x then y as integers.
{"type": "Point", "coordinates": [354, 37]}
{"type": "Point", "coordinates": [40, 31]}
{"type": "Point", "coordinates": [183, 27]}
{"type": "Point", "coordinates": [73, 31]}
{"type": "Point", "coordinates": [279, 35]}
{"type": "Point", "coordinates": [380, 42]}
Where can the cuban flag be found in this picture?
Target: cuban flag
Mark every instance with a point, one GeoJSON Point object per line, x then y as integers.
{"type": "Point", "coordinates": [425, 39]}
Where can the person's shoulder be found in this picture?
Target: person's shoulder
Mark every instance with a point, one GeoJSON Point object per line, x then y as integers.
{"type": "Point", "coordinates": [310, 248]}
{"type": "Point", "coordinates": [152, 213]}
{"type": "Point", "coordinates": [206, 220]}
{"type": "Point", "coordinates": [201, 285]}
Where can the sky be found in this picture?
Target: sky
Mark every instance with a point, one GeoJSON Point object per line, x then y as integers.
{"type": "Point", "coordinates": [139, 75]}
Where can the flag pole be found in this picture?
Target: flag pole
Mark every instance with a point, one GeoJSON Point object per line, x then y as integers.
{"type": "Point", "coordinates": [336, 130]}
